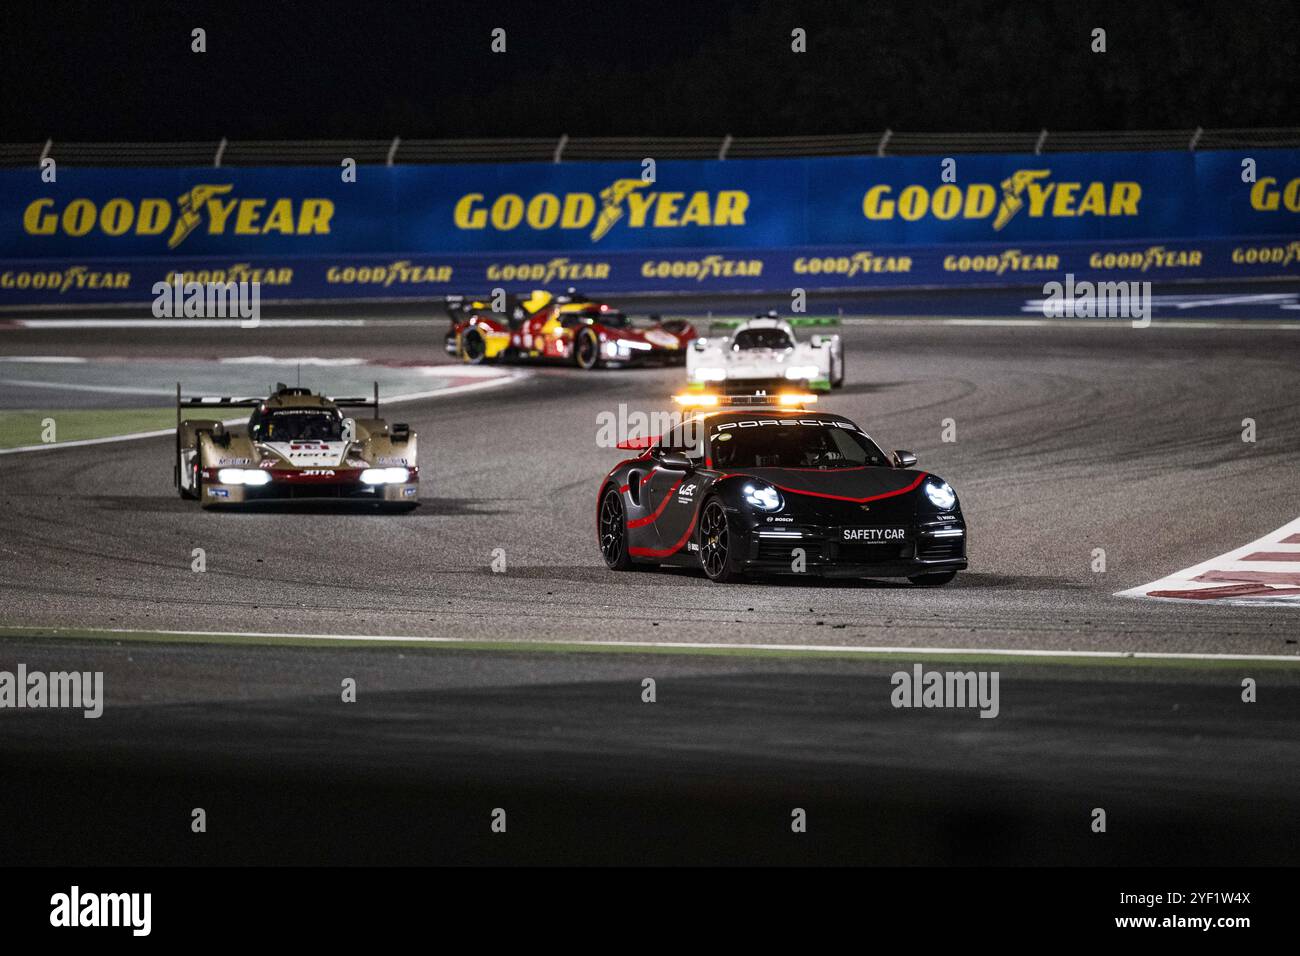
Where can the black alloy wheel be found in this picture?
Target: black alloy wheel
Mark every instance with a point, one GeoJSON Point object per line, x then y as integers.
{"type": "Point", "coordinates": [613, 531]}
{"type": "Point", "coordinates": [715, 543]}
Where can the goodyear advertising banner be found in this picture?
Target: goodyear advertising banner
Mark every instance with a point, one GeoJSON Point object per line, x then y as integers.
{"type": "Point", "coordinates": [108, 235]}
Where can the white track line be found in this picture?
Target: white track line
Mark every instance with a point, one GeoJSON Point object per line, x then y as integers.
{"type": "Point", "coordinates": [73, 387]}
{"type": "Point", "coordinates": [187, 323]}
{"type": "Point", "coordinates": [1006, 321]}
{"type": "Point", "coordinates": [1233, 565]}
{"type": "Point", "coordinates": [136, 436]}
{"type": "Point", "coordinates": [715, 645]}
{"type": "Point", "coordinates": [1156, 323]}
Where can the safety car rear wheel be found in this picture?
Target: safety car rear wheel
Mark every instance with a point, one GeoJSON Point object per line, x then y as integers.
{"type": "Point", "coordinates": [613, 531]}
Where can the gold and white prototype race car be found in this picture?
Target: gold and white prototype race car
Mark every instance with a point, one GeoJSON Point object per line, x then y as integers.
{"type": "Point", "coordinates": [295, 445]}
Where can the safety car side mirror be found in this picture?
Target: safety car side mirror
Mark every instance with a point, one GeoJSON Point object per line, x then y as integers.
{"type": "Point", "coordinates": [675, 461]}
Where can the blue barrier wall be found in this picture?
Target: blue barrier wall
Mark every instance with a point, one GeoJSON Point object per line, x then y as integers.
{"type": "Point", "coordinates": [108, 235]}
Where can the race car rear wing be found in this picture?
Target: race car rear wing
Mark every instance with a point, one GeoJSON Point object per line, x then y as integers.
{"type": "Point", "coordinates": [370, 403]}
{"type": "Point", "coordinates": [803, 321]}
{"type": "Point", "coordinates": [252, 401]}
{"type": "Point", "coordinates": [456, 306]}
{"type": "Point", "coordinates": [208, 401]}
{"type": "Point", "coordinates": [463, 306]}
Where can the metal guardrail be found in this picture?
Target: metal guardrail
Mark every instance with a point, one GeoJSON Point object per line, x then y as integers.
{"type": "Point", "coordinates": [571, 149]}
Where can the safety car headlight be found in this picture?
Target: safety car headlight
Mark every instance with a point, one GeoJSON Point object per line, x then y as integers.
{"type": "Point", "coordinates": [384, 476]}
{"type": "Point", "coordinates": [763, 497]}
{"type": "Point", "coordinates": [940, 494]}
{"type": "Point", "coordinates": [243, 476]}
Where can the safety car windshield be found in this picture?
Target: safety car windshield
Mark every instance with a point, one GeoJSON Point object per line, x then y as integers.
{"type": "Point", "coordinates": [793, 443]}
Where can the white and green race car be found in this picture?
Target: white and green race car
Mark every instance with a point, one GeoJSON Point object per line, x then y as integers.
{"type": "Point", "coordinates": [763, 354]}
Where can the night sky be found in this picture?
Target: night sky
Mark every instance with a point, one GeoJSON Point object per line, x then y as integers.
{"type": "Point", "coordinates": [283, 70]}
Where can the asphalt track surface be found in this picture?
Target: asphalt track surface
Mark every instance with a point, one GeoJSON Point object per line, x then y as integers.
{"type": "Point", "coordinates": [1069, 438]}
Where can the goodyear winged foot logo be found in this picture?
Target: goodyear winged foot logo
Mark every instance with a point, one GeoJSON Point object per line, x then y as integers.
{"type": "Point", "coordinates": [612, 197]}
{"type": "Point", "coordinates": [1013, 188]}
{"type": "Point", "coordinates": [191, 207]}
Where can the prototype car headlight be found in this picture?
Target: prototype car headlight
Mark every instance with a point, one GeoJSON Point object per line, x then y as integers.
{"type": "Point", "coordinates": [797, 372]}
{"type": "Point", "coordinates": [763, 497]}
{"type": "Point", "coordinates": [707, 373]}
{"type": "Point", "coordinates": [384, 476]}
{"type": "Point", "coordinates": [940, 494]}
{"type": "Point", "coordinates": [243, 476]}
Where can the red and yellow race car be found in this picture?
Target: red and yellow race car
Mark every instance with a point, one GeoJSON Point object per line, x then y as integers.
{"type": "Point", "coordinates": [561, 328]}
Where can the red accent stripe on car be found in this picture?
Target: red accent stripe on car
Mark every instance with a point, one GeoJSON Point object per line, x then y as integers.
{"type": "Point", "coordinates": [821, 494]}
{"type": "Point", "coordinates": [651, 518]}
{"type": "Point", "coordinates": [665, 552]}
{"type": "Point", "coordinates": [823, 470]}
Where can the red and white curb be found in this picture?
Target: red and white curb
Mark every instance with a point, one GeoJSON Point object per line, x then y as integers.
{"type": "Point", "coordinates": [1264, 572]}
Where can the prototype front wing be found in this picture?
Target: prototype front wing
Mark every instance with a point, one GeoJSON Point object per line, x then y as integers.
{"type": "Point", "coordinates": [230, 486]}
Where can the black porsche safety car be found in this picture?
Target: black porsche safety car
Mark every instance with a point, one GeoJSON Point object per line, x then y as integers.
{"type": "Point", "coordinates": [762, 485]}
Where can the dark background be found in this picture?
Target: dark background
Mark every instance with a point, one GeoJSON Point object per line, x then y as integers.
{"type": "Point", "coordinates": [284, 70]}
